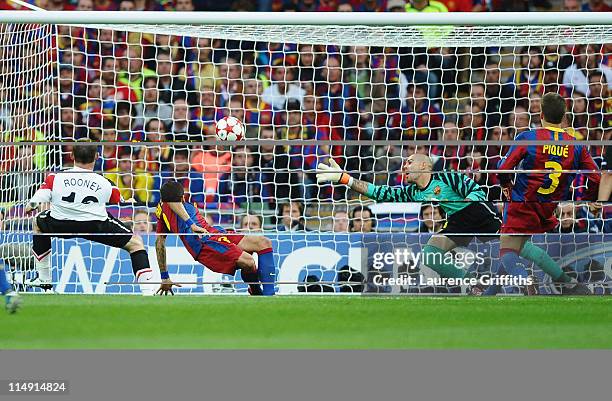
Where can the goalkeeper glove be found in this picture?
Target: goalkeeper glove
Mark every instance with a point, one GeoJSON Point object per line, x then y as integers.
{"type": "Point", "coordinates": [332, 173]}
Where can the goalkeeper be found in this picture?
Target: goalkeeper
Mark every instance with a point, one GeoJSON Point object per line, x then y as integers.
{"type": "Point", "coordinates": [459, 196]}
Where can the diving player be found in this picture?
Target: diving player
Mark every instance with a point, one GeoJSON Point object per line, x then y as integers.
{"type": "Point", "coordinates": [220, 251]}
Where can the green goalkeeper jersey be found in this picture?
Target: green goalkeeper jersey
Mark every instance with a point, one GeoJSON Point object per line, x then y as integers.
{"type": "Point", "coordinates": [447, 188]}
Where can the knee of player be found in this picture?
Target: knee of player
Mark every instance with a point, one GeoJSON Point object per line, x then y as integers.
{"type": "Point", "coordinates": [264, 242]}
{"type": "Point", "coordinates": [135, 244]}
{"type": "Point", "coordinates": [247, 262]}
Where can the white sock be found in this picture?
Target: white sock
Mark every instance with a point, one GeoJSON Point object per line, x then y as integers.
{"type": "Point", "coordinates": [43, 267]}
{"type": "Point", "coordinates": [143, 276]}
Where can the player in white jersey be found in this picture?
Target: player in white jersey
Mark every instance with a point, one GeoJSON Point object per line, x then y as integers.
{"type": "Point", "coordinates": [78, 198]}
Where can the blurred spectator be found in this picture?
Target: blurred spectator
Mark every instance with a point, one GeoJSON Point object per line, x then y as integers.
{"type": "Point", "coordinates": [86, 5]}
{"type": "Point", "coordinates": [472, 123]}
{"type": "Point", "coordinates": [19, 182]}
{"type": "Point", "coordinates": [182, 127]}
{"type": "Point", "coordinates": [125, 118]}
{"type": "Point", "coordinates": [586, 58]}
{"type": "Point", "coordinates": [341, 222]}
{"type": "Point", "coordinates": [132, 182]}
{"type": "Point", "coordinates": [579, 118]}
{"type": "Point", "coordinates": [136, 71]}
{"type": "Point", "coordinates": [431, 219]}
{"type": "Point", "coordinates": [155, 158]}
{"type": "Point", "coordinates": [59, 5]}
{"type": "Point", "coordinates": [500, 97]}
{"type": "Point", "coordinates": [306, 69]}
{"type": "Point", "coordinates": [152, 106]}
{"type": "Point", "coordinates": [344, 6]}
{"type": "Point", "coordinates": [419, 119]}
{"type": "Point", "coordinates": [91, 109]}
{"type": "Point", "coordinates": [465, 6]}
{"type": "Point", "coordinates": [396, 6]}
{"type": "Point", "coordinates": [115, 90]}
{"type": "Point", "coordinates": [278, 183]}
{"type": "Point", "coordinates": [105, 5]}
{"type": "Point", "coordinates": [182, 171]}
{"type": "Point", "coordinates": [251, 222]}
{"type": "Point", "coordinates": [425, 6]}
{"type": "Point", "coordinates": [213, 161]}
{"type": "Point", "coordinates": [142, 222]}
{"type": "Point", "coordinates": [566, 213]}
{"type": "Point", "coordinates": [230, 79]}
{"type": "Point", "coordinates": [361, 220]}
{"type": "Point", "coordinates": [282, 88]}
{"type": "Point", "coordinates": [519, 119]}
{"type": "Point", "coordinates": [572, 5]}
{"type": "Point", "coordinates": [535, 108]}
{"type": "Point", "coordinates": [600, 102]}
{"type": "Point", "coordinates": [171, 87]}
{"type": "Point", "coordinates": [202, 71]}
{"type": "Point", "coordinates": [241, 183]}
{"type": "Point", "coordinates": [184, 5]}
{"type": "Point", "coordinates": [450, 156]}
{"type": "Point", "coordinates": [596, 6]}
{"type": "Point", "coordinates": [529, 76]}
{"type": "Point", "coordinates": [292, 217]}
{"type": "Point", "coordinates": [127, 5]}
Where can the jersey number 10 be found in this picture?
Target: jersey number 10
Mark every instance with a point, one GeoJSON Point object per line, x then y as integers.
{"type": "Point", "coordinates": [86, 200]}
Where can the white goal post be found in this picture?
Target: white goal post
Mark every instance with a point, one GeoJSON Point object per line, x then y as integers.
{"type": "Point", "coordinates": [366, 89]}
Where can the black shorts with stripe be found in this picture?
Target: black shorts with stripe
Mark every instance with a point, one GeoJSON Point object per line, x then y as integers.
{"type": "Point", "coordinates": [119, 236]}
{"type": "Point", "coordinates": [476, 218]}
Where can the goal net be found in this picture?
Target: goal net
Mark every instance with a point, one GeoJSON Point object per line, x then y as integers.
{"type": "Point", "coordinates": [366, 96]}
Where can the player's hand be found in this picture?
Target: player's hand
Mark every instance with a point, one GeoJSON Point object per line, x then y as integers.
{"type": "Point", "coordinates": [331, 173]}
{"type": "Point", "coordinates": [166, 287]}
{"type": "Point", "coordinates": [595, 208]}
{"type": "Point", "coordinates": [198, 230]}
{"type": "Point", "coordinates": [31, 207]}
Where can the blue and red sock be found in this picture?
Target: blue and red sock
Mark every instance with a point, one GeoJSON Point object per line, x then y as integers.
{"type": "Point", "coordinates": [267, 270]}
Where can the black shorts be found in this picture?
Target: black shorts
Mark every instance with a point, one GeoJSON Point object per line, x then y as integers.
{"type": "Point", "coordinates": [120, 234]}
{"type": "Point", "coordinates": [607, 158]}
{"type": "Point", "coordinates": [476, 218]}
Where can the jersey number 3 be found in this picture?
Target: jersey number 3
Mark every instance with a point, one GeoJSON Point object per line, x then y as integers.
{"type": "Point", "coordinates": [554, 178]}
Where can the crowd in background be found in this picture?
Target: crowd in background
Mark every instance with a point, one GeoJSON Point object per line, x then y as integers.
{"type": "Point", "coordinates": [148, 89]}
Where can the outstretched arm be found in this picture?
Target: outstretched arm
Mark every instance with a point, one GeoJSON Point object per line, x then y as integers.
{"type": "Point", "coordinates": [160, 250]}
{"type": "Point", "coordinates": [381, 193]}
{"type": "Point", "coordinates": [181, 212]}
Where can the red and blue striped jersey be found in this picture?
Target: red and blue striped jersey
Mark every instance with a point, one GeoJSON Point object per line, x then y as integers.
{"type": "Point", "coordinates": [169, 222]}
{"type": "Point", "coordinates": [553, 186]}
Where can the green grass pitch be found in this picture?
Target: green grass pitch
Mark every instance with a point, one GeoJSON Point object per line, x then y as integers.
{"type": "Point", "coordinates": [307, 322]}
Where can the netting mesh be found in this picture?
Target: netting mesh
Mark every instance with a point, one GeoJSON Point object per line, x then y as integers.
{"type": "Point", "coordinates": [158, 90]}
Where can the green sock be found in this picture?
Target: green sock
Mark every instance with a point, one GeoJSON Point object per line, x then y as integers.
{"type": "Point", "coordinates": [541, 258]}
{"type": "Point", "coordinates": [434, 259]}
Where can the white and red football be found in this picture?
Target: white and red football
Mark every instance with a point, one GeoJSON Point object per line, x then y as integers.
{"type": "Point", "coordinates": [230, 129]}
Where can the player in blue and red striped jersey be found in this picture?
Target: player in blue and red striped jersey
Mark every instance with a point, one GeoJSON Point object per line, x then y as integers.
{"type": "Point", "coordinates": [534, 196]}
{"type": "Point", "coordinates": [214, 247]}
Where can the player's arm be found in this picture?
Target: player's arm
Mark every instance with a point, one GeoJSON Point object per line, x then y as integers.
{"type": "Point", "coordinates": [380, 193]}
{"type": "Point", "coordinates": [515, 154]}
{"type": "Point", "coordinates": [179, 209]}
{"type": "Point", "coordinates": [42, 195]}
{"type": "Point", "coordinates": [160, 250]}
{"type": "Point", "coordinates": [464, 186]}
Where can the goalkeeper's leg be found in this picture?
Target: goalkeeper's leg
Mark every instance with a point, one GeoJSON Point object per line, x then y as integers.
{"type": "Point", "coordinates": [434, 257]}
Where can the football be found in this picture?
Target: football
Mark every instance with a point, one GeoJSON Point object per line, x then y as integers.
{"type": "Point", "coordinates": [229, 129]}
